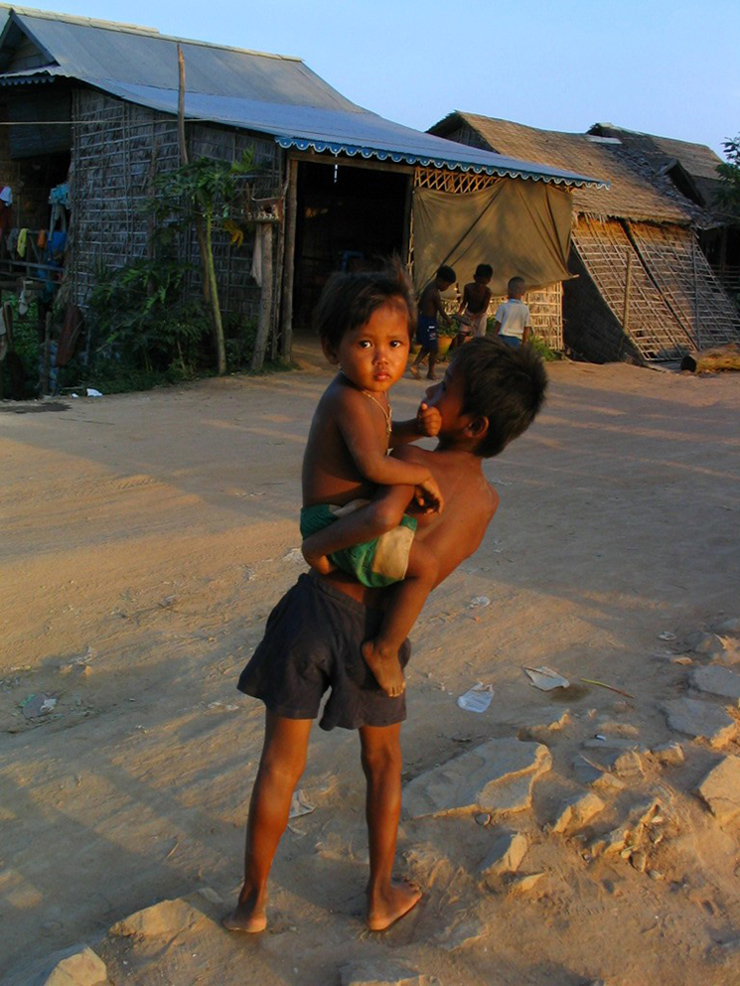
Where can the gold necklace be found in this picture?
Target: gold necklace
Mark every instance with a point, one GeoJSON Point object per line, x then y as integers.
{"type": "Point", "coordinates": [387, 414]}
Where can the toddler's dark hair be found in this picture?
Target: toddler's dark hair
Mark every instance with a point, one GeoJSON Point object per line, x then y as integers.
{"type": "Point", "coordinates": [483, 270]}
{"type": "Point", "coordinates": [349, 300]}
{"type": "Point", "coordinates": [445, 273]}
{"type": "Point", "coordinates": [506, 385]}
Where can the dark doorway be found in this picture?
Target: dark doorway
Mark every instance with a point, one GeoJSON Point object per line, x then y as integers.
{"type": "Point", "coordinates": [348, 217]}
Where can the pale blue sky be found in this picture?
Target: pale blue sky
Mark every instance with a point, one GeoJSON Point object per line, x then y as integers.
{"type": "Point", "coordinates": [669, 68]}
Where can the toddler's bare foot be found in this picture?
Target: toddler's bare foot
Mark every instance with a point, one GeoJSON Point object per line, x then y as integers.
{"type": "Point", "coordinates": [383, 662]}
{"type": "Point", "coordinates": [383, 910]}
{"type": "Point", "coordinates": [248, 915]}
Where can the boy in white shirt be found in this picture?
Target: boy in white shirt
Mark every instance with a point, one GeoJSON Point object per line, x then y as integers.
{"type": "Point", "coordinates": [513, 320]}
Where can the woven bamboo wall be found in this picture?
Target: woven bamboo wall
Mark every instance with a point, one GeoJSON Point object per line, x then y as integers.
{"type": "Point", "coordinates": [117, 150]}
{"type": "Point", "coordinates": [604, 248]}
{"type": "Point", "coordinates": [688, 284]}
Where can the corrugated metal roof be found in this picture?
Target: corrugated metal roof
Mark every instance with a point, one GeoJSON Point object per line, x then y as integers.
{"type": "Point", "coordinates": [270, 94]}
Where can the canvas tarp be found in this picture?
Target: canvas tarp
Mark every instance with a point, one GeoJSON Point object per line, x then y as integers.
{"type": "Point", "coordinates": [518, 227]}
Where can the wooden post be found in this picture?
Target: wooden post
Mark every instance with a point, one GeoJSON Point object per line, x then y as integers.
{"type": "Point", "coordinates": [286, 301]}
{"type": "Point", "coordinates": [406, 246]}
{"type": "Point", "coordinates": [46, 364]}
{"type": "Point", "coordinates": [627, 287]}
{"type": "Point", "coordinates": [263, 326]}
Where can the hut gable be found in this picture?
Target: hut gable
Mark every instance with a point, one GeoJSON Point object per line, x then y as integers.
{"type": "Point", "coordinates": [691, 168]}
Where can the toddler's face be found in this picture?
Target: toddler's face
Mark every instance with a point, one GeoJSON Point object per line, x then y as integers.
{"type": "Point", "coordinates": [374, 355]}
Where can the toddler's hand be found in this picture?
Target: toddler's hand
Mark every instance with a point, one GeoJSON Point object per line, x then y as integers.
{"type": "Point", "coordinates": [428, 420]}
{"type": "Point", "coordinates": [319, 563]}
{"type": "Point", "coordinates": [429, 497]}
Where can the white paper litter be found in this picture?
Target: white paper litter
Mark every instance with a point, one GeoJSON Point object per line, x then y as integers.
{"type": "Point", "coordinates": [545, 678]}
{"type": "Point", "coordinates": [299, 805]}
{"type": "Point", "coordinates": [92, 392]}
{"type": "Point", "coordinates": [477, 698]}
{"type": "Point", "coordinates": [479, 601]}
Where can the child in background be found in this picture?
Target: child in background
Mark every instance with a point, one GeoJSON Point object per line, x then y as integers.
{"type": "Point", "coordinates": [513, 323]}
{"type": "Point", "coordinates": [430, 307]}
{"type": "Point", "coordinates": [365, 322]}
{"type": "Point", "coordinates": [473, 311]}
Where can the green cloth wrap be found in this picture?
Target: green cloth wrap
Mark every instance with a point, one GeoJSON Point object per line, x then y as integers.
{"type": "Point", "coordinates": [377, 563]}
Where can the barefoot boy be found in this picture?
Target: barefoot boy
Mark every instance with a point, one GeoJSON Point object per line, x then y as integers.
{"type": "Point", "coordinates": [490, 394]}
{"type": "Point", "coordinates": [473, 309]}
{"type": "Point", "coordinates": [430, 309]}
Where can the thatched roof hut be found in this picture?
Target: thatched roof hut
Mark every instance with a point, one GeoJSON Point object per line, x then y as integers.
{"type": "Point", "coordinates": [645, 289]}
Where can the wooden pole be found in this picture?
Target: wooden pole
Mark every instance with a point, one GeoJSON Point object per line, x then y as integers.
{"type": "Point", "coordinates": [46, 365]}
{"type": "Point", "coordinates": [286, 303]}
{"type": "Point", "coordinates": [263, 326]}
{"type": "Point", "coordinates": [181, 106]}
{"type": "Point", "coordinates": [627, 287]}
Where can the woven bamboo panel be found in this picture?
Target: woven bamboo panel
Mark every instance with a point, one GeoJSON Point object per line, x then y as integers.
{"type": "Point", "coordinates": [688, 284]}
{"type": "Point", "coordinates": [458, 182]}
{"type": "Point", "coordinates": [118, 148]}
{"type": "Point", "coordinates": [604, 247]}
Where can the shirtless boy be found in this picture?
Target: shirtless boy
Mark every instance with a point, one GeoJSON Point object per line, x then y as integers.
{"type": "Point", "coordinates": [490, 394]}
{"type": "Point", "coordinates": [473, 311]}
{"type": "Point", "coordinates": [430, 309]}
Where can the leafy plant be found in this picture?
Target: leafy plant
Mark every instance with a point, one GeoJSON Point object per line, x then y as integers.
{"type": "Point", "coordinates": [201, 193]}
{"type": "Point", "coordinates": [729, 172]}
{"type": "Point", "coordinates": [544, 351]}
{"type": "Point", "coordinates": [141, 320]}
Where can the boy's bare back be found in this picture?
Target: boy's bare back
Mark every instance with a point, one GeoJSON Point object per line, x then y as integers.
{"type": "Point", "coordinates": [455, 534]}
{"type": "Point", "coordinates": [430, 303]}
{"type": "Point", "coordinates": [476, 297]}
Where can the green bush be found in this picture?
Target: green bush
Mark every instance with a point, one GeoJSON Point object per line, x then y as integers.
{"type": "Point", "coordinates": [27, 345]}
{"type": "Point", "coordinates": [543, 350]}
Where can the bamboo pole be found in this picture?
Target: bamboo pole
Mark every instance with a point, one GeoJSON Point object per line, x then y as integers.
{"type": "Point", "coordinates": [627, 287]}
{"type": "Point", "coordinates": [263, 327]}
{"type": "Point", "coordinates": [286, 305]}
{"type": "Point", "coordinates": [696, 295]}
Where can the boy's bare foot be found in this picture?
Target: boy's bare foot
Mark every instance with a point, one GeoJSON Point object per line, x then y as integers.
{"type": "Point", "coordinates": [385, 910]}
{"type": "Point", "coordinates": [248, 915]}
{"type": "Point", "coordinates": [415, 372]}
{"type": "Point", "coordinates": [431, 376]}
{"type": "Point", "coordinates": [384, 665]}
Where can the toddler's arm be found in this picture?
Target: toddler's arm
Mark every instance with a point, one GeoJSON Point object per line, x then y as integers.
{"type": "Point", "coordinates": [360, 435]}
{"type": "Point", "coordinates": [382, 514]}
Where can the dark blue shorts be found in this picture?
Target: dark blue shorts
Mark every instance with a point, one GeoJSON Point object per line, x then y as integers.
{"type": "Point", "coordinates": [311, 644]}
{"type": "Point", "coordinates": [426, 332]}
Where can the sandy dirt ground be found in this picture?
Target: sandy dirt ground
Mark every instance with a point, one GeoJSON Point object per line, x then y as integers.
{"type": "Point", "coordinates": [144, 540]}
